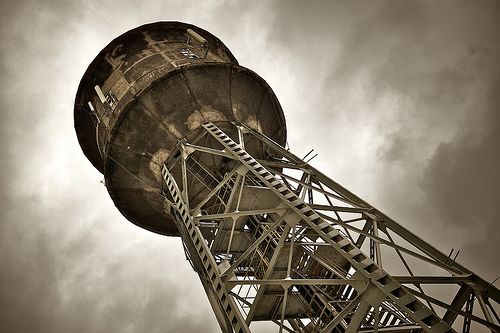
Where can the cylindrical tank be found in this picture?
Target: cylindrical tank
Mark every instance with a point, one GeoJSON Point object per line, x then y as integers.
{"type": "Point", "coordinates": [148, 89]}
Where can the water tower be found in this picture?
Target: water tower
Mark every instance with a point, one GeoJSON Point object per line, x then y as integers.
{"type": "Point", "coordinates": [191, 145]}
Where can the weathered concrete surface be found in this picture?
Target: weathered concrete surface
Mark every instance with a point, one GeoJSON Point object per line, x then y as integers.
{"type": "Point", "coordinates": [161, 90]}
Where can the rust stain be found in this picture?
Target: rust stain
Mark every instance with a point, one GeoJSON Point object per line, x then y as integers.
{"type": "Point", "coordinates": [157, 161]}
{"type": "Point", "coordinates": [211, 114]}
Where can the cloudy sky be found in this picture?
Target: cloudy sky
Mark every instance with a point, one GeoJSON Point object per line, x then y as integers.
{"type": "Point", "coordinates": [400, 99]}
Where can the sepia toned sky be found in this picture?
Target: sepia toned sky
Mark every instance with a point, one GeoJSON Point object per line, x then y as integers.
{"type": "Point", "coordinates": [400, 99]}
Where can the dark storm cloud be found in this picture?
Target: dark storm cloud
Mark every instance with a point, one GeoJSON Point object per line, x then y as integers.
{"type": "Point", "coordinates": [462, 183]}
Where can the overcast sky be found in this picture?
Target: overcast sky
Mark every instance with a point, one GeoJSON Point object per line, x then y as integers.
{"type": "Point", "coordinates": [400, 99]}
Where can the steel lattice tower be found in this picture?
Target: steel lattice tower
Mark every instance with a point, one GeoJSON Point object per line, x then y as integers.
{"type": "Point", "coordinates": [191, 144]}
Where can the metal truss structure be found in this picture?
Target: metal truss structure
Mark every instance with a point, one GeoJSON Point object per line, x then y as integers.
{"type": "Point", "coordinates": [274, 239]}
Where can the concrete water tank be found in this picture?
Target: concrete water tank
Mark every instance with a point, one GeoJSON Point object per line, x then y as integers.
{"type": "Point", "coordinates": [148, 89]}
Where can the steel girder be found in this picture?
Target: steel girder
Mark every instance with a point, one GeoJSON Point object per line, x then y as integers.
{"type": "Point", "coordinates": [273, 239]}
